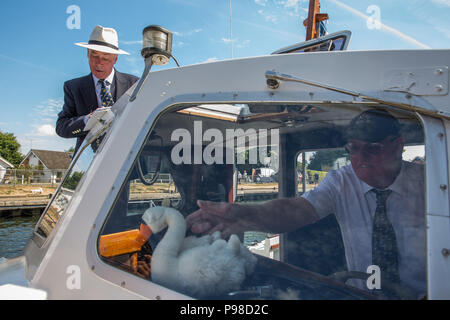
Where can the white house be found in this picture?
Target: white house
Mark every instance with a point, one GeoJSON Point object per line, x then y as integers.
{"type": "Point", "coordinates": [53, 163]}
{"type": "Point", "coordinates": [4, 164]}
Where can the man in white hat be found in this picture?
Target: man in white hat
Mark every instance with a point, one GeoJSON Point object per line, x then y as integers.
{"type": "Point", "coordinates": [101, 88]}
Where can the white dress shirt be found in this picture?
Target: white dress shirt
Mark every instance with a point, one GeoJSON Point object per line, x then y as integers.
{"type": "Point", "coordinates": [350, 199]}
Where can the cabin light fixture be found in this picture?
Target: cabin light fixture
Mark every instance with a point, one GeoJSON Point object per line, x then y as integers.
{"type": "Point", "coordinates": [156, 50]}
{"type": "Point", "coordinates": [157, 44]}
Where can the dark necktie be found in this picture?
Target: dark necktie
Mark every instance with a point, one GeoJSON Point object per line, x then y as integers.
{"type": "Point", "coordinates": [107, 101]}
{"type": "Point", "coordinates": [105, 94]}
{"type": "Point", "coordinates": [384, 243]}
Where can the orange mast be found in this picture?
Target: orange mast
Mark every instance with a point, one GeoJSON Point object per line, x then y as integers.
{"type": "Point", "coordinates": [314, 19]}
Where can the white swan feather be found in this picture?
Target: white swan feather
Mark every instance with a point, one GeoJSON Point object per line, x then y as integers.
{"type": "Point", "coordinates": [198, 266]}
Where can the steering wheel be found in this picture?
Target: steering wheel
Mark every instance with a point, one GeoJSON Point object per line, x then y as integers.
{"type": "Point", "coordinates": [273, 279]}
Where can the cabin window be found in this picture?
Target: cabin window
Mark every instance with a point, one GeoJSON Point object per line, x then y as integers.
{"type": "Point", "coordinates": [275, 162]}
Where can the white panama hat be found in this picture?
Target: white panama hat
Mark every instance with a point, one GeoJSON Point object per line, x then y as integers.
{"type": "Point", "coordinates": [104, 40]}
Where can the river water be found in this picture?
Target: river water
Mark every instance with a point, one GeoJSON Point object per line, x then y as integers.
{"type": "Point", "coordinates": [15, 233]}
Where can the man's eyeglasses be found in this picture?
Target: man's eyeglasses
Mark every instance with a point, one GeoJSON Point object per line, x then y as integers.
{"type": "Point", "coordinates": [368, 148]}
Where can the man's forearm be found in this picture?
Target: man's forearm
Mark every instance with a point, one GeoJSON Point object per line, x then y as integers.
{"type": "Point", "coordinates": [280, 215]}
{"type": "Point", "coordinates": [70, 127]}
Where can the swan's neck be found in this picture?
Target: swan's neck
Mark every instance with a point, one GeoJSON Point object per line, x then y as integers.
{"type": "Point", "coordinates": [172, 241]}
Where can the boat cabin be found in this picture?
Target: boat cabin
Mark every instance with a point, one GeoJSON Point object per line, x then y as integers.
{"type": "Point", "coordinates": [189, 133]}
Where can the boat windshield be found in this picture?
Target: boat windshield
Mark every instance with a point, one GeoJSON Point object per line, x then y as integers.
{"type": "Point", "coordinates": [98, 128]}
{"type": "Point", "coordinates": [61, 199]}
{"type": "Point", "coordinates": [333, 42]}
{"type": "Point", "coordinates": [291, 192]}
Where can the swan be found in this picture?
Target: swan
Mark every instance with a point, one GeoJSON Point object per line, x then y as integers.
{"type": "Point", "coordinates": [197, 266]}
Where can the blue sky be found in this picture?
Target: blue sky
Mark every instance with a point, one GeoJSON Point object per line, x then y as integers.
{"type": "Point", "coordinates": [37, 51]}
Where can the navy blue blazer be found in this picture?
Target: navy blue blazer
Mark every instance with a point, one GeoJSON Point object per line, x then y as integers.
{"type": "Point", "coordinates": [80, 99]}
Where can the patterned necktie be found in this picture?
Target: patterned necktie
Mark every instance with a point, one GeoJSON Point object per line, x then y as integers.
{"type": "Point", "coordinates": [105, 94]}
{"type": "Point", "coordinates": [384, 243]}
{"type": "Point", "coordinates": [107, 101]}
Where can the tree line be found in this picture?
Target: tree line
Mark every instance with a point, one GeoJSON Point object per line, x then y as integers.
{"type": "Point", "coordinates": [9, 148]}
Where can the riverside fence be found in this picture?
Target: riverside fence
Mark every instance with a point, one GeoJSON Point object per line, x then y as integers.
{"type": "Point", "coordinates": [30, 176]}
{"type": "Point", "coordinates": [44, 176]}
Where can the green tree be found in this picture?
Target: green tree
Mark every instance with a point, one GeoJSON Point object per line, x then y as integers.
{"type": "Point", "coordinates": [9, 148]}
{"type": "Point", "coordinates": [325, 158]}
{"type": "Point", "coordinates": [72, 181]}
{"type": "Point", "coordinates": [246, 165]}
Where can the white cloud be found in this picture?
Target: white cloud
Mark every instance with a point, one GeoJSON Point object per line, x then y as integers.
{"type": "Point", "coordinates": [49, 108]}
{"type": "Point", "coordinates": [187, 33]}
{"type": "Point", "coordinates": [54, 143]}
{"type": "Point", "coordinates": [288, 36]}
{"type": "Point", "coordinates": [242, 44]}
{"type": "Point", "coordinates": [132, 42]}
{"type": "Point", "coordinates": [261, 2]}
{"type": "Point", "coordinates": [179, 44]}
{"type": "Point", "coordinates": [291, 3]}
{"type": "Point", "coordinates": [236, 42]}
{"type": "Point", "coordinates": [41, 134]}
{"type": "Point", "coordinates": [267, 17]}
{"type": "Point", "coordinates": [46, 130]}
{"type": "Point", "coordinates": [273, 11]}
{"type": "Point", "coordinates": [445, 3]}
{"type": "Point", "coordinates": [271, 18]}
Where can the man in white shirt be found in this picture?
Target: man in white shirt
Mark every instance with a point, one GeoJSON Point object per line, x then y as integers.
{"type": "Point", "coordinates": [377, 186]}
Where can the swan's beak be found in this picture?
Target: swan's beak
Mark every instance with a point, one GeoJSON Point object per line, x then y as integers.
{"type": "Point", "coordinates": [144, 234]}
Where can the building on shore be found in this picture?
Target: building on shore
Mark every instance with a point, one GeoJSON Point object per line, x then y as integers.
{"type": "Point", "coordinates": [52, 163]}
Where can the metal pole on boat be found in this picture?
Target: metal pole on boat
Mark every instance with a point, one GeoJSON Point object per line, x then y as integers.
{"type": "Point", "coordinates": [231, 31]}
{"type": "Point", "coordinates": [312, 23]}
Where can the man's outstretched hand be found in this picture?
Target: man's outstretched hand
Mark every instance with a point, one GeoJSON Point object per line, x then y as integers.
{"type": "Point", "coordinates": [228, 218]}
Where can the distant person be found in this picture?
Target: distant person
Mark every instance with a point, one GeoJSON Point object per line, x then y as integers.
{"type": "Point", "coordinates": [378, 201]}
{"type": "Point", "coordinates": [101, 88]}
{"type": "Point", "coordinates": [316, 178]}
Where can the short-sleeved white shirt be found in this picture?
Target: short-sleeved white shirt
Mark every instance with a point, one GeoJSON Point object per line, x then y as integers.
{"type": "Point", "coordinates": [350, 199]}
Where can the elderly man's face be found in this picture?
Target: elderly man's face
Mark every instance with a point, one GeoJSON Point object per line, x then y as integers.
{"type": "Point", "coordinates": [377, 164]}
{"type": "Point", "coordinates": [101, 63]}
